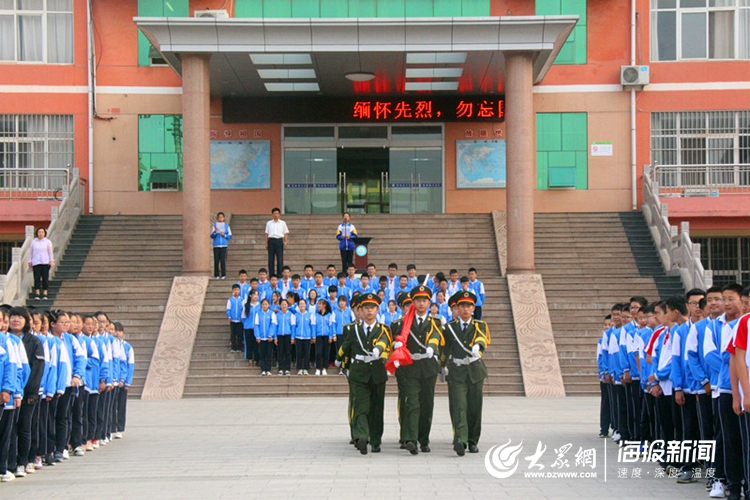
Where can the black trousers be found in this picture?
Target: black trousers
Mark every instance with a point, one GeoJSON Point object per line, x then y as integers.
{"type": "Point", "coordinates": [266, 355]}
{"type": "Point", "coordinates": [35, 432]}
{"type": "Point", "coordinates": [347, 259]}
{"type": "Point", "coordinates": [101, 415]}
{"type": "Point", "coordinates": [275, 255]}
{"type": "Point", "coordinates": [285, 352]}
{"type": "Point", "coordinates": [6, 429]}
{"type": "Point", "coordinates": [92, 408]}
{"type": "Point", "coordinates": [112, 411]}
{"type": "Point", "coordinates": [220, 261]}
{"type": "Point", "coordinates": [621, 400]}
{"type": "Point", "coordinates": [633, 392]}
{"type": "Point", "coordinates": [604, 411]}
{"type": "Point", "coordinates": [79, 420]}
{"type": "Point", "coordinates": [63, 419]}
{"type": "Point", "coordinates": [649, 431]}
{"type": "Point", "coordinates": [40, 449]}
{"type": "Point", "coordinates": [745, 436]}
{"type": "Point", "coordinates": [720, 468]}
{"type": "Point", "coordinates": [732, 443]}
{"type": "Point", "coordinates": [51, 424]}
{"type": "Point", "coordinates": [477, 312]}
{"type": "Point", "coordinates": [251, 347]}
{"type": "Point", "coordinates": [612, 406]}
{"type": "Point", "coordinates": [23, 431]}
{"type": "Point", "coordinates": [236, 334]}
{"type": "Point", "coordinates": [41, 276]}
{"type": "Point", "coordinates": [322, 348]}
{"type": "Point", "coordinates": [122, 409]}
{"type": "Point", "coordinates": [303, 353]}
{"type": "Point", "coordinates": [690, 426]}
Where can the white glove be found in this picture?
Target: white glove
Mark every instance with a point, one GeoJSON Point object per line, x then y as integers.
{"type": "Point", "coordinates": [430, 352]}
{"type": "Point", "coordinates": [443, 373]}
{"type": "Point", "coordinates": [398, 344]}
{"type": "Point", "coordinates": [376, 353]}
{"type": "Point", "coordinates": [475, 349]}
{"type": "Point", "coordinates": [337, 363]}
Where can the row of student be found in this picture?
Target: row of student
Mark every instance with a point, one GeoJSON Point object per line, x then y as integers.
{"type": "Point", "coordinates": [677, 370]}
{"type": "Point", "coordinates": [64, 379]}
{"type": "Point", "coordinates": [348, 283]}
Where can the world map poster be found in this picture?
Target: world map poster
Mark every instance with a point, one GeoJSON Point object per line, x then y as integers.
{"type": "Point", "coordinates": [240, 164]}
{"type": "Point", "coordinates": [480, 164]}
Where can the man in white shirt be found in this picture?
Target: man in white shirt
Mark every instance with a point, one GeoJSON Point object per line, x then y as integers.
{"type": "Point", "coordinates": [277, 235]}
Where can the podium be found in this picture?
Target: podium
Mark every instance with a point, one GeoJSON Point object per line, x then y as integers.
{"type": "Point", "coordinates": [361, 252]}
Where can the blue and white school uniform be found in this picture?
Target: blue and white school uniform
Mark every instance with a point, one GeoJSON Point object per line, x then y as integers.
{"type": "Point", "coordinates": [387, 318]}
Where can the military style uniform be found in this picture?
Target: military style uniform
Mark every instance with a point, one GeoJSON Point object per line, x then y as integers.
{"type": "Point", "coordinates": [466, 371]}
{"type": "Point", "coordinates": [344, 362]}
{"type": "Point", "coordinates": [367, 348]}
{"type": "Point", "coordinates": [403, 300]}
{"type": "Point", "coordinates": [416, 382]}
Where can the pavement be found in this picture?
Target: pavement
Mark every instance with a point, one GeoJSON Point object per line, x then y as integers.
{"type": "Point", "coordinates": [298, 448]}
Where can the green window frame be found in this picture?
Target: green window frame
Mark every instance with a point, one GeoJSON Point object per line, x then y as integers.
{"type": "Point", "coordinates": [562, 150]}
{"type": "Point", "coordinates": [574, 50]}
{"type": "Point", "coordinates": [159, 152]}
{"type": "Point", "coordinates": [360, 8]}
{"type": "Point", "coordinates": [157, 8]}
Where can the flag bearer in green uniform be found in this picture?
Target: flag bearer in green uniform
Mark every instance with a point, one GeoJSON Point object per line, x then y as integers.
{"type": "Point", "coordinates": [342, 359]}
{"type": "Point", "coordinates": [465, 341]}
{"type": "Point", "coordinates": [367, 347]}
{"type": "Point", "coordinates": [404, 302]}
{"type": "Point", "coordinates": [417, 380]}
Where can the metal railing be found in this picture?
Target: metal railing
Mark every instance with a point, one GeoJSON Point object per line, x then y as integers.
{"type": "Point", "coordinates": [678, 254]}
{"type": "Point", "coordinates": [16, 284]}
{"type": "Point", "coordinates": [703, 180]}
{"type": "Point", "coordinates": [33, 183]}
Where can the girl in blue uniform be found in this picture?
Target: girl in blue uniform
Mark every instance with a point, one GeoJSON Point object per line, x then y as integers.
{"type": "Point", "coordinates": [265, 334]}
{"type": "Point", "coordinates": [249, 311]}
{"type": "Point", "coordinates": [303, 335]}
{"type": "Point", "coordinates": [322, 336]}
{"type": "Point", "coordinates": [285, 326]}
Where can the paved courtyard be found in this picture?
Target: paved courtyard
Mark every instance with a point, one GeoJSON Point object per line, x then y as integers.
{"type": "Point", "coordinates": [297, 448]}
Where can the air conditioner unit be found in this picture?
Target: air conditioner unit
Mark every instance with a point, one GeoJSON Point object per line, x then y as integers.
{"type": "Point", "coordinates": [214, 14]}
{"type": "Point", "coordinates": [634, 75]}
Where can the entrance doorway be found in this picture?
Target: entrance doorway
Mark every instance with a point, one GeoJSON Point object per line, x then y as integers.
{"type": "Point", "coordinates": [382, 169]}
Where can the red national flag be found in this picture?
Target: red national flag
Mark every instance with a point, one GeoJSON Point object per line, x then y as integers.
{"type": "Point", "coordinates": [401, 356]}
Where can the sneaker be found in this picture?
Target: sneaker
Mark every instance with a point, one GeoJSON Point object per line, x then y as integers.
{"type": "Point", "coordinates": [95, 444]}
{"type": "Point", "coordinates": [286, 372]}
{"type": "Point", "coordinates": [324, 372]}
{"type": "Point", "coordinates": [317, 372]}
{"type": "Point", "coordinates": [602, 435]}
{"type": "Point", "coordinates": [341, 371]}
{"type": "Point", "coordinates": [281, 372]}
{"type": "Point", "coordinates": [223, 277]}
{"type": "Point", "coordinates": [685, 477]}
{"type": "Point", "coordinates": [38, 463]}
{"type": "Point", "coordinates": [118, 435]}
{"type": "Point", "coordinates": [20, 471]}
{"type": "Point", "coordinates": [58, 456]}
{"type": "Point", "coordinates": [65, 454]}
{"type": "Point", "coordinates": [30, 468]}
{"type": "Point", "coordinates": [616, 436]}
{"type": "Point", "coordinates": [89, 446]}
{"type": "Point", "coordinates": [49, 459]}
{"type": "Point", "coordinates": [78, 452]}
{"type": "Point", "coordinates": [717, 490]}
{"type": "Point", "coordinates": [7, 477]}
{"type": "Point", "coordinates": [300, 372]}
{"type": "Point", "coordinates": [216, 277]}
{"type": "Point", "coordinates": [306, 372]}
{"type": "Point", "coordinates": [104, 442]}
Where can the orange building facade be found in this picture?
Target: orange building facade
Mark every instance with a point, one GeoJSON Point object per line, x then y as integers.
{"type": "Point", "coordinates": [692, 118]}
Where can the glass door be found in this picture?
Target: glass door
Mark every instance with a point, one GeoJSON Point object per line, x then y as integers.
{"type": "Point", "coordinates": [362, 171]}
{"type": "Point", "coordinates": [416, 180]}
{"type": "Point", "coordinates": [310, 183]}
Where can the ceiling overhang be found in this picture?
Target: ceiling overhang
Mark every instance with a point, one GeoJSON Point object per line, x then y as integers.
{"type": "Point", "coordinates": [380, 46]}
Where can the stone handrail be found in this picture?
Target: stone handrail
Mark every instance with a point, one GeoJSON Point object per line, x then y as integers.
{"type": "Point", "coordinates": [15, 284]}
{"type": "Point", "coordinates": [678, 254]}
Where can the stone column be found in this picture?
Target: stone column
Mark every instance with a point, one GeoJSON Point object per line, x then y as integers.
{"type": "Point", "coordinates": [196, 188]}
{"type": "Point", "coordinates": [521, 161]}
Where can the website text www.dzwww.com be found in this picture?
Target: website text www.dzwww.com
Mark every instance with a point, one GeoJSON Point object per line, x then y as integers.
{"type": "Point", "coordinates": [561, 475]}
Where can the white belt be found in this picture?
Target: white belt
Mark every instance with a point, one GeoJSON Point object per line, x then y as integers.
{"type": "Point", "coordinates": [416, 356]}
{"type": "Point", "coordinates": [465, 361]}
{"type": "Point", "coordinates": [369, 358]}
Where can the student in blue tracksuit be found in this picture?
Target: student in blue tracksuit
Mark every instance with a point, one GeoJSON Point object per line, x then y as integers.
{"type": "Point", "coordinates": [263, 285]}
{"type": "Point", "coordinates": [647, 322]}
{"type": "Point", "coordinates": [321, 289]}
{"type": "Point", "coordinates": [77, 439]}
{"type": "Point", "coordinates": [308, 280]}
{"type": "Point", "coordinates": [346, 233]}
{"type": "Point", "coordinates": [109, 374]}
{"type": "Point", "coordinates": [297, 287]}
{"type": "Point", "coordinates": [411, 274]}
{"type": "Point", "coordinates": [244, 284]}
{"type": "Point", "coordinates": [93, 382]}
{"type": "Point", "coordinates": [285, 326]}
{"type": "Point", "coordinates": [234, 315]}
{"type": "Point", "coordinates": [341, 315]}
{"type": "Point", "coordinates": [342, 289]}
{"type": "Point", "coordinates": [265, 334]}
{"type": "Point", "coordinates": [303, 336]}
{"type": "Point", "coordinates": [9, 390]}
{"type": "Point", "coordinates": [350, 273]}
{"type": "Point", "coordinates": [632, 346]}
{"type": "Point", "coordinates": [220, 234]}
{"type": "Point", "coordinates": [14, 323]}
{"type": "Point", "coordinates": [127, 367]}
{"type": "Point", "coordinates": [249, 311]}
{"type": "Point", "coordinates": [323, 337]}
{"type": "Point", "coordinates": [477, 287]}
{"type": "Point", "coordinates": [619, 400]}
{"type": "Point", "coordinates": [330, 278]}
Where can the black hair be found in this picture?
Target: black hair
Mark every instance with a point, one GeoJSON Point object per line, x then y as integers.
{"type": "Point", "coordinates": [235, 286]}
{"type": "Point", "coordinates": [392, 265]}
{"type": "Point", "coordinates": [329, 266]}
{"type": "Point", "coordinates": [341, 275]}
{"type": "Point", "coordinates": [253, 280]}
{"type": "Point", "coordinates": [702, 303]}
{"type": "Point", "coordinates": [286, 268]}
{"type": "Point", "coordinates": [262, 270]}
{"type": "Point", "coordinates": [333, 288]}
{"type": "Point", "coordinates": [714, 289]}
{"type": "Point", "coordinates": [242, 271]}
{"type": "Point", "coordinates": [472, 269]}
{"type": "Point", "coordinates": [694, 291]}
{"type": "Point", "coordinates": [275, 209]}
{"type": "Point", "coordinates": [453, 271]}
{"type": "Point", "coordinates": [101, 313]}
{"type": "Point", "coordinates": [119, 327]}
{"type": "Point", "coordinates": [677, 303]}
{"type": "Point", "coordinates": [440, 276]}
{"type": "Point", "coordinates": [371, 265]}
{"type": "Point", "coordinates": [308, 266]}
{"type": "Point", "coordinates": [21, 311]}
{"type": "Point", "coordinates": [383, 279]}
{"type": "Point", "coordinates": [745, 292]}
{"type": "Point", "coordinates": [641, 301]}
{"type": "Point", "coordinates": [734, 287]}
{"type": "Point", "coordinates": [409, 267]}
{"type": "Point", "coordinates": [220, 213]}
{"type": "Point", "coordinates": [55, 315]}
{"type": "Point", "coordinates": [616, 307]}
{"type": "Point", "coordinates": [40, 228]}
{"type": "Point", "coordinates": [342, 298]}
{"type": "Point", "coordinates": [364, 277]}
{"type": "Point", "coordinates": [421, 278]}
{"type": "Point", "coordinates": [464, 279]}
{"type": "Point", "coordinates": [296, 277]}
{"type": "Point", "coordinates": [327, 310]}
{"type": "Point", "coordinates": [318, 273]}
{"type": "Point", "coordinates": [608, 316]}
{"type": "Point", "coordinates": [648, 309]}
{"type": "Point", "coordinates": [273, 276]}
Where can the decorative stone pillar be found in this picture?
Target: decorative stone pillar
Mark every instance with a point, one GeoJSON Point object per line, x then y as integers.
{"type": "Point", "coordinates": [521, 161]}
{"type": "Point", "coordinates": [196, 187]}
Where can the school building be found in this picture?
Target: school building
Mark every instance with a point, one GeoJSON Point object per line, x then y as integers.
{"type": "Point", "coordinates": [380, 106]}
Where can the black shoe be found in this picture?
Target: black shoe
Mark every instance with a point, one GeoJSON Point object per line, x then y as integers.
{"type": "Point", "coordinates": [403, 446]}
{"type": "Point", "coordinates": [459, 448]}
{"type": "Point", "coordinates": [473, 448]}
{"type": "Point", "coordinates": [375, 449]}
{"type": "Point", "coordinates": [49, 459]}
{"type": "Point", "coordinates": [425, 449]}
{"type": "Point", "coordinates": [733, 495]}
{"type": "Point", "coordinates": [412, 447]}
{"type": "Point", "coordinates": [362, 446]}
{"type": "Point", "coordinates": [351, 441]}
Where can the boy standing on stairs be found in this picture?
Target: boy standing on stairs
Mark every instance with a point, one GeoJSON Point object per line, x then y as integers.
{"type": "Point", "coordinates": [234, 315]}
{"type": "Point", "coordinates": [220, 234]}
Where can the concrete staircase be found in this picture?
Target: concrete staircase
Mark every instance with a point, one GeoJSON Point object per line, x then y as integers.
{"type": "Point", "coordinates": [122, 265]}
{"type": "Point", "coordinates": [589, 261]}
{"type": "Point", "coordinates": [443, 242]}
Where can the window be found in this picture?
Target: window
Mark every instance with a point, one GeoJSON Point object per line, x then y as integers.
{"type": "Point", "coordinates": [700, 29]}
{"type": "Point", "coordinates": [36, 31]}
{"type": "Point", "coordinates": [574, 50]}
{"type": "Point", "coordinates": [352, 8]}
{"type": "Point", "coordinates": [148, 55]}
{"type": "Point", "coordinates": [727, 257]}
{"type": "Point", "coordinates": [159, 152]}
{"type": "Point", "coordinates": [36, 141]}
{"type": "Point", "coordinates": [6, 254]}
{"type": "Point", "coordinates": [561, 150]}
